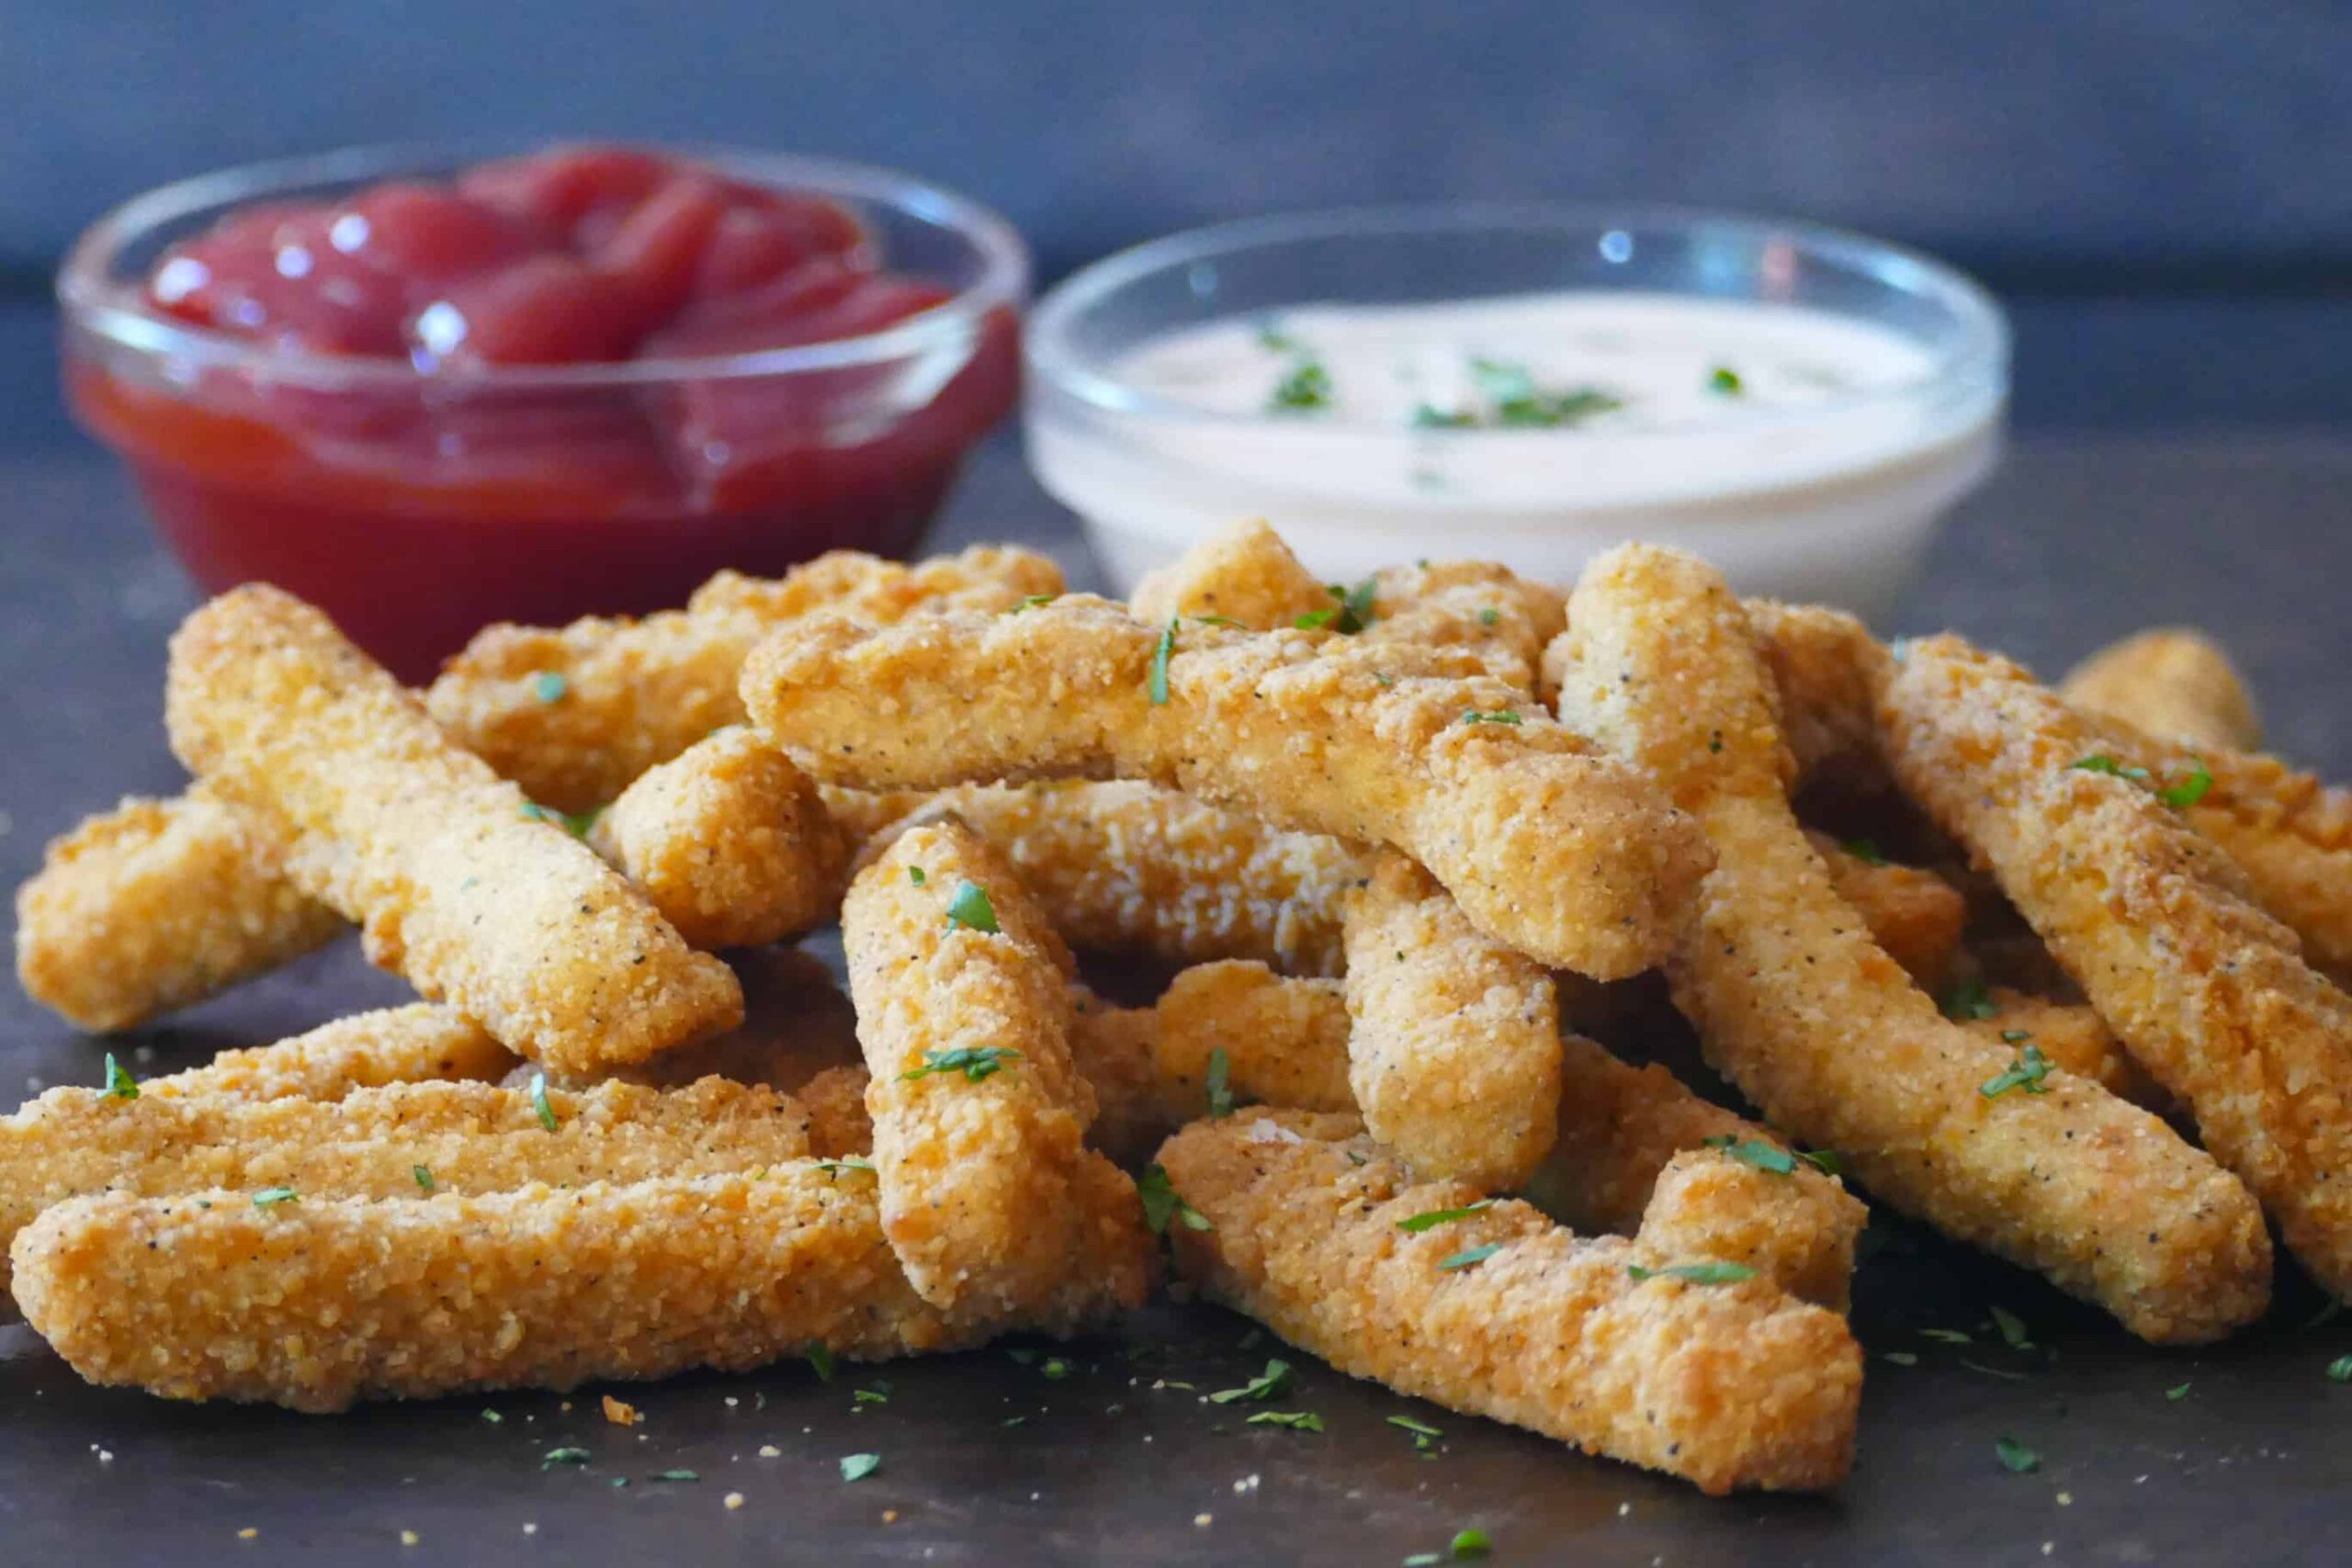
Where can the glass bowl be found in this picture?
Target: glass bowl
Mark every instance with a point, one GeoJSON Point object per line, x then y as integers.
{"type": "Point", "coordinates": [415, 504]}
{"type": "Point", "coordinates": [1833, 500]}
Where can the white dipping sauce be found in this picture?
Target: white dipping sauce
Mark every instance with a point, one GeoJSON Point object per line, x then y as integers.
{"type": "Point", "coordinates": [1805, 453]}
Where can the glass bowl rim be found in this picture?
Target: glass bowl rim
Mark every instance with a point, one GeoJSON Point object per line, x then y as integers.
{"type": "Point", "coordinates": [92, 299]}
{"type": "Point", "coordinates": [1981, 355]}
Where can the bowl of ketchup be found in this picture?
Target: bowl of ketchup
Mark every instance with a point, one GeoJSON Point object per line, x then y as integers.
{"type": "Point", "coordinates": [427, 392]}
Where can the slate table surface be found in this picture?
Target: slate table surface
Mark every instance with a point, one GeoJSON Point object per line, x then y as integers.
{"type": "Point", "coordinates": [2078, 539]}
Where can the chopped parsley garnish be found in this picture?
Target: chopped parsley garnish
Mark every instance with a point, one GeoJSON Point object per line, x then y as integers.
{"type": "Point", "coordinates": [2012, 1329]}
{"type": "Point", "coordinates": [493, 1417]}
{"type": "Point", "coordinates": [2177, 1393]}
{"type": "Point", "coordinates": [1946, 1336]}
{"type": "Point", "coordinates": [1225, 621]}
{"type": "Point", "coordinates": [915, 875]}
{"type": "Point", "coordinates": [2340, 1370]}
{"type": "Point", "coordinates": [1436, 1217]}
{"type": "Point", "coordinates": [1034, 601]}
{"type": "Point", "coordinates": [676, 1475]}
{"type": "Point", "coordinates": [1350, 613]}
{"type": "Point", "coordinates": [1723, 379]}
{"type": "Point", "coordinates": [1823, 1160]}
{"type": "Point", "coordinates": [1969, 999]}
{"type": "Point", "coordinates": [1468, 1544]}
{"type": "Point", "coordinates": [1470, 1257]}
{"type": "Point", "coordinates": [1423, 1433]}
{"type": "Point", "coordinates": [1901, 1357]}
{"type": "Point", "coordinates": [2016, 1036]}
{"type": "Point", "coordinates": [539, 1102]}
{"type": "Point", "coordinates": [1305, 386]}
{"type": "Point", "coordinates": [549, 685]}
{"type": "Point", "coordinates": [270, 1197]}
{"type": "Point", "coordinates": [2100, 763]}
{"type": "Point", "coordinates": [971, 910]}
{"type": "Point", "coordinates": [1429, 416]}
{"type": "Point", "coordinates": [1695, 1273]}
{"type": "Point", "coordinates": [1863, 850]}
{"type": "Point", "coordinates": [120, 1085]}
{"type": "Point", "coordinates": [975, 1062]}
{"type": "Point", "coordinates": [554, 1457]}
{"type": "Point", "coordinates": [2016, 1457]}
{"type": "Point", "coordinates": [423, 1178]}
{"type": "Point", "coordinates": [1297, 1420]}
{"type": "Point", "coordinates": [1271, 1384]}
{"type": "Point", "coordinates": [851, 1162]}
{"type": "Point", "coordinates": [1156, 684]}
{"type": "Point", "coordinates": [2027, 1073]}
{"type": "Point", "coordinates": [1755, 1152]}
{"type": "Point", "coordinates": [1273, 340]}
{"type": "Point", "coordinates": [870, 1396]}
{"type": "Point", "coordinates": [1499, 716]}
{"type": "Point", "coordinates": [820, 1361]}
{"type": "Point", "coordinates": [1489, 616]}
{"type": "Point", "coordinates": [2191, 790]}
{"type": "Point", "coordinates": [1519, 403]}
{"type": "Point", "coordinates": [1161, 1203]}
{"type": "Point", "coordinates": [1219, 1077]}
{"type": "Point", "coordinates": [857, 1467]}
{"type": "Point", "coordinates": [579, 824]}
{"type": "Point", "coordinates": [1055, 1369]}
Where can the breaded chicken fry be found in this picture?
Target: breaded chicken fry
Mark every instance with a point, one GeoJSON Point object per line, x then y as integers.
{"type": "Point", "coordinates": [1499, 1312]}
{"type": "Point", "coordinates": [158, 904]}
{"type": "Point", "coordinates": [575, 714]}
{"type": "Point", "coordinates": [1824, 1032]}
{"type": "Point", "coordinates": [2172, 682]}
{"type": "Point", "coordinates": [2207, 991]}
{"type": "Point", "coordinates": [729, 841]}
{"type": "Point", "coordinates": [2073, 1037]}
{"type": "Point", "coordinates": [989, 1192]}
{"type": "Point", "coordinates": [510, 919]}
{"type": "Point", "coordinates": [1285, 1042]}
{"type": "Point", "coordinates": [1913, 914]}
{"type": "Point", "coordinates": [1454, 1049]}
{"type": "Point", "coordinates": [314, 1304]}
{"type": "Point", "coordinates": [1566, 855]}
{"type": "Point", "coordinates": [1243, 572]}
{"type": "Point", "coordinates": [418, 1043]}
{"type": "Point", "coordinates": [1797, 1231]}
{"type": "Point", "coordinates": [463, 1137]}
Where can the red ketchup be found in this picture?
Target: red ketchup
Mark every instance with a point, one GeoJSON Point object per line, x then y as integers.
{"type": "Point", "coordinates": [424, 498]}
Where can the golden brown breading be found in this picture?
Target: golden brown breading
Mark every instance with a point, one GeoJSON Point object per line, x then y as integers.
{"type": "Point", "coordinates": [1622, 1130]}
{"type": "Point", "coordinates": [628, 695]}
{"type": "Point", "coordinates": [1242, 572]}
{"type": "Point", "coordinates": [418, 1043]}
{"type": "Point", "coordinates": [1827, 1036]}
{"type": "Point", "coordinates": [2172, 682]}
{"type": "Point", "coordinates": [1916, 915]}
{"type": "Point", "coordinates": [1485, 618]}
{"type": "Point", "coordinates": [1727, 1386]}
{"type": "Point", "coordinates": [1131, 868]}
{"type": "Point", "coordinates": [466, 1137]}
{"type": "Point", "coordinates": [1569, 856]}
{"type": "Point", "coordinates": [729, 841]}
{"type": "Point", "coordinates": [798, 1021]}
{"type": "Point", "coordinates": [1453, 1048]}
{"type": "Point", "coordinates": [839, 1127]}
{"type": "Point", "coordinates": [2072, 1036]}
{"type": "Point", "coordinates": [2205, 990]}
{"type": "Point", "coordinates": [319, 1302]}
{"type": "Point", "coordinates": [1285, 1042]}
{"type": "Point", "coordinates": [157, 904]}
{"type": "Point", "coordinates": [509, 919]}
{"type": "Point", "coordinates": [979, 1116]}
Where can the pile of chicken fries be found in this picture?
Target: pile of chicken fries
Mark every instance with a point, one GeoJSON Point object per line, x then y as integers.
{"type": "Point", "coordinates": [2047, 970]}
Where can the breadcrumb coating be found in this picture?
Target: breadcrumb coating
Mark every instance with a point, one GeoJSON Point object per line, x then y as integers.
{"type": "Point", "coordinates": [1826, 1035]}
{"type": "Point", "coordinates": [467, 1137]}
{"type": "Point", "coordinates": [1797, 1230]}
{"type": "Point", "coordinates": [1916, 915]}
{"type": "Point", "coordinates": [988, 1193]}
{"type": "Point", "coordinates": [1242, 572]}
{"type": "Point", "coordinates": [628, 695]}
{"type": "Point", "coordinates": [1726, 1385]}
{"type": "Point", "coordinates": [316, 1303]}
{"type": "Point", "coordinates": [729, 842]}
{"type": "Point", "coordinates": [455, 886]}
{"type": "Point", "coordinates": [1453, 1048]}
{"type": "Point", "coordinates": [2172, 682]}
{"type": "Point", "coordinates": [2072, 1036]}
{"type": "Point", "coordinates": [1285, 1042]}
{"type": "Point", "coordinates": [2207, 991]}
{"type": "Point", "coordinates": [1566, 855]}
{"type": "Point", "coordinates": [157, 904]}
{"type": "Point", "coordinates": [420, 1043]}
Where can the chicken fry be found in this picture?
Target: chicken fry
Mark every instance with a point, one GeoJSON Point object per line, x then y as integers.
{"type": "Point", "coordinates": [403, 1141]}
{"type": "Point", "coordinates": [1825, 1034]}
{"type": "Point", "coordinates": [1913, 914]}
{"type": "Point", "coordinates": [2205, 990]}
{"type": "Point", "coordinates": [418, 1043]}
{"type": "Point", "coordinates": [1568, 856]}
{"type": "Point", "coordinates": [575, 714]}
{"type": "Point", "coordinates": [2172, 682]}
{"type": "Point", "coordinates": [1285, 1042]}
{"type": "Point", "coordinates": [1243, 572]}
{"type": "Point", "coordinates": [729, 842]}
{"type": "Point", "coordinates": [1454, 1048]}
{"type": "Point", "coordinates": [988, 1193]}
{"type": "Point", "coordinates": [315, 1304]}
{"type": "Point", "coordinates": [455, 886]}
{"type": "Point", "coordinates": [1498, 1313]}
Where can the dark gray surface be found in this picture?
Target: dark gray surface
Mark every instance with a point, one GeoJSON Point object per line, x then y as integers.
{"type": "Point", "coordinates": [2072, 140]}
{"type": "Point", "coordinates": [2077, 540]}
